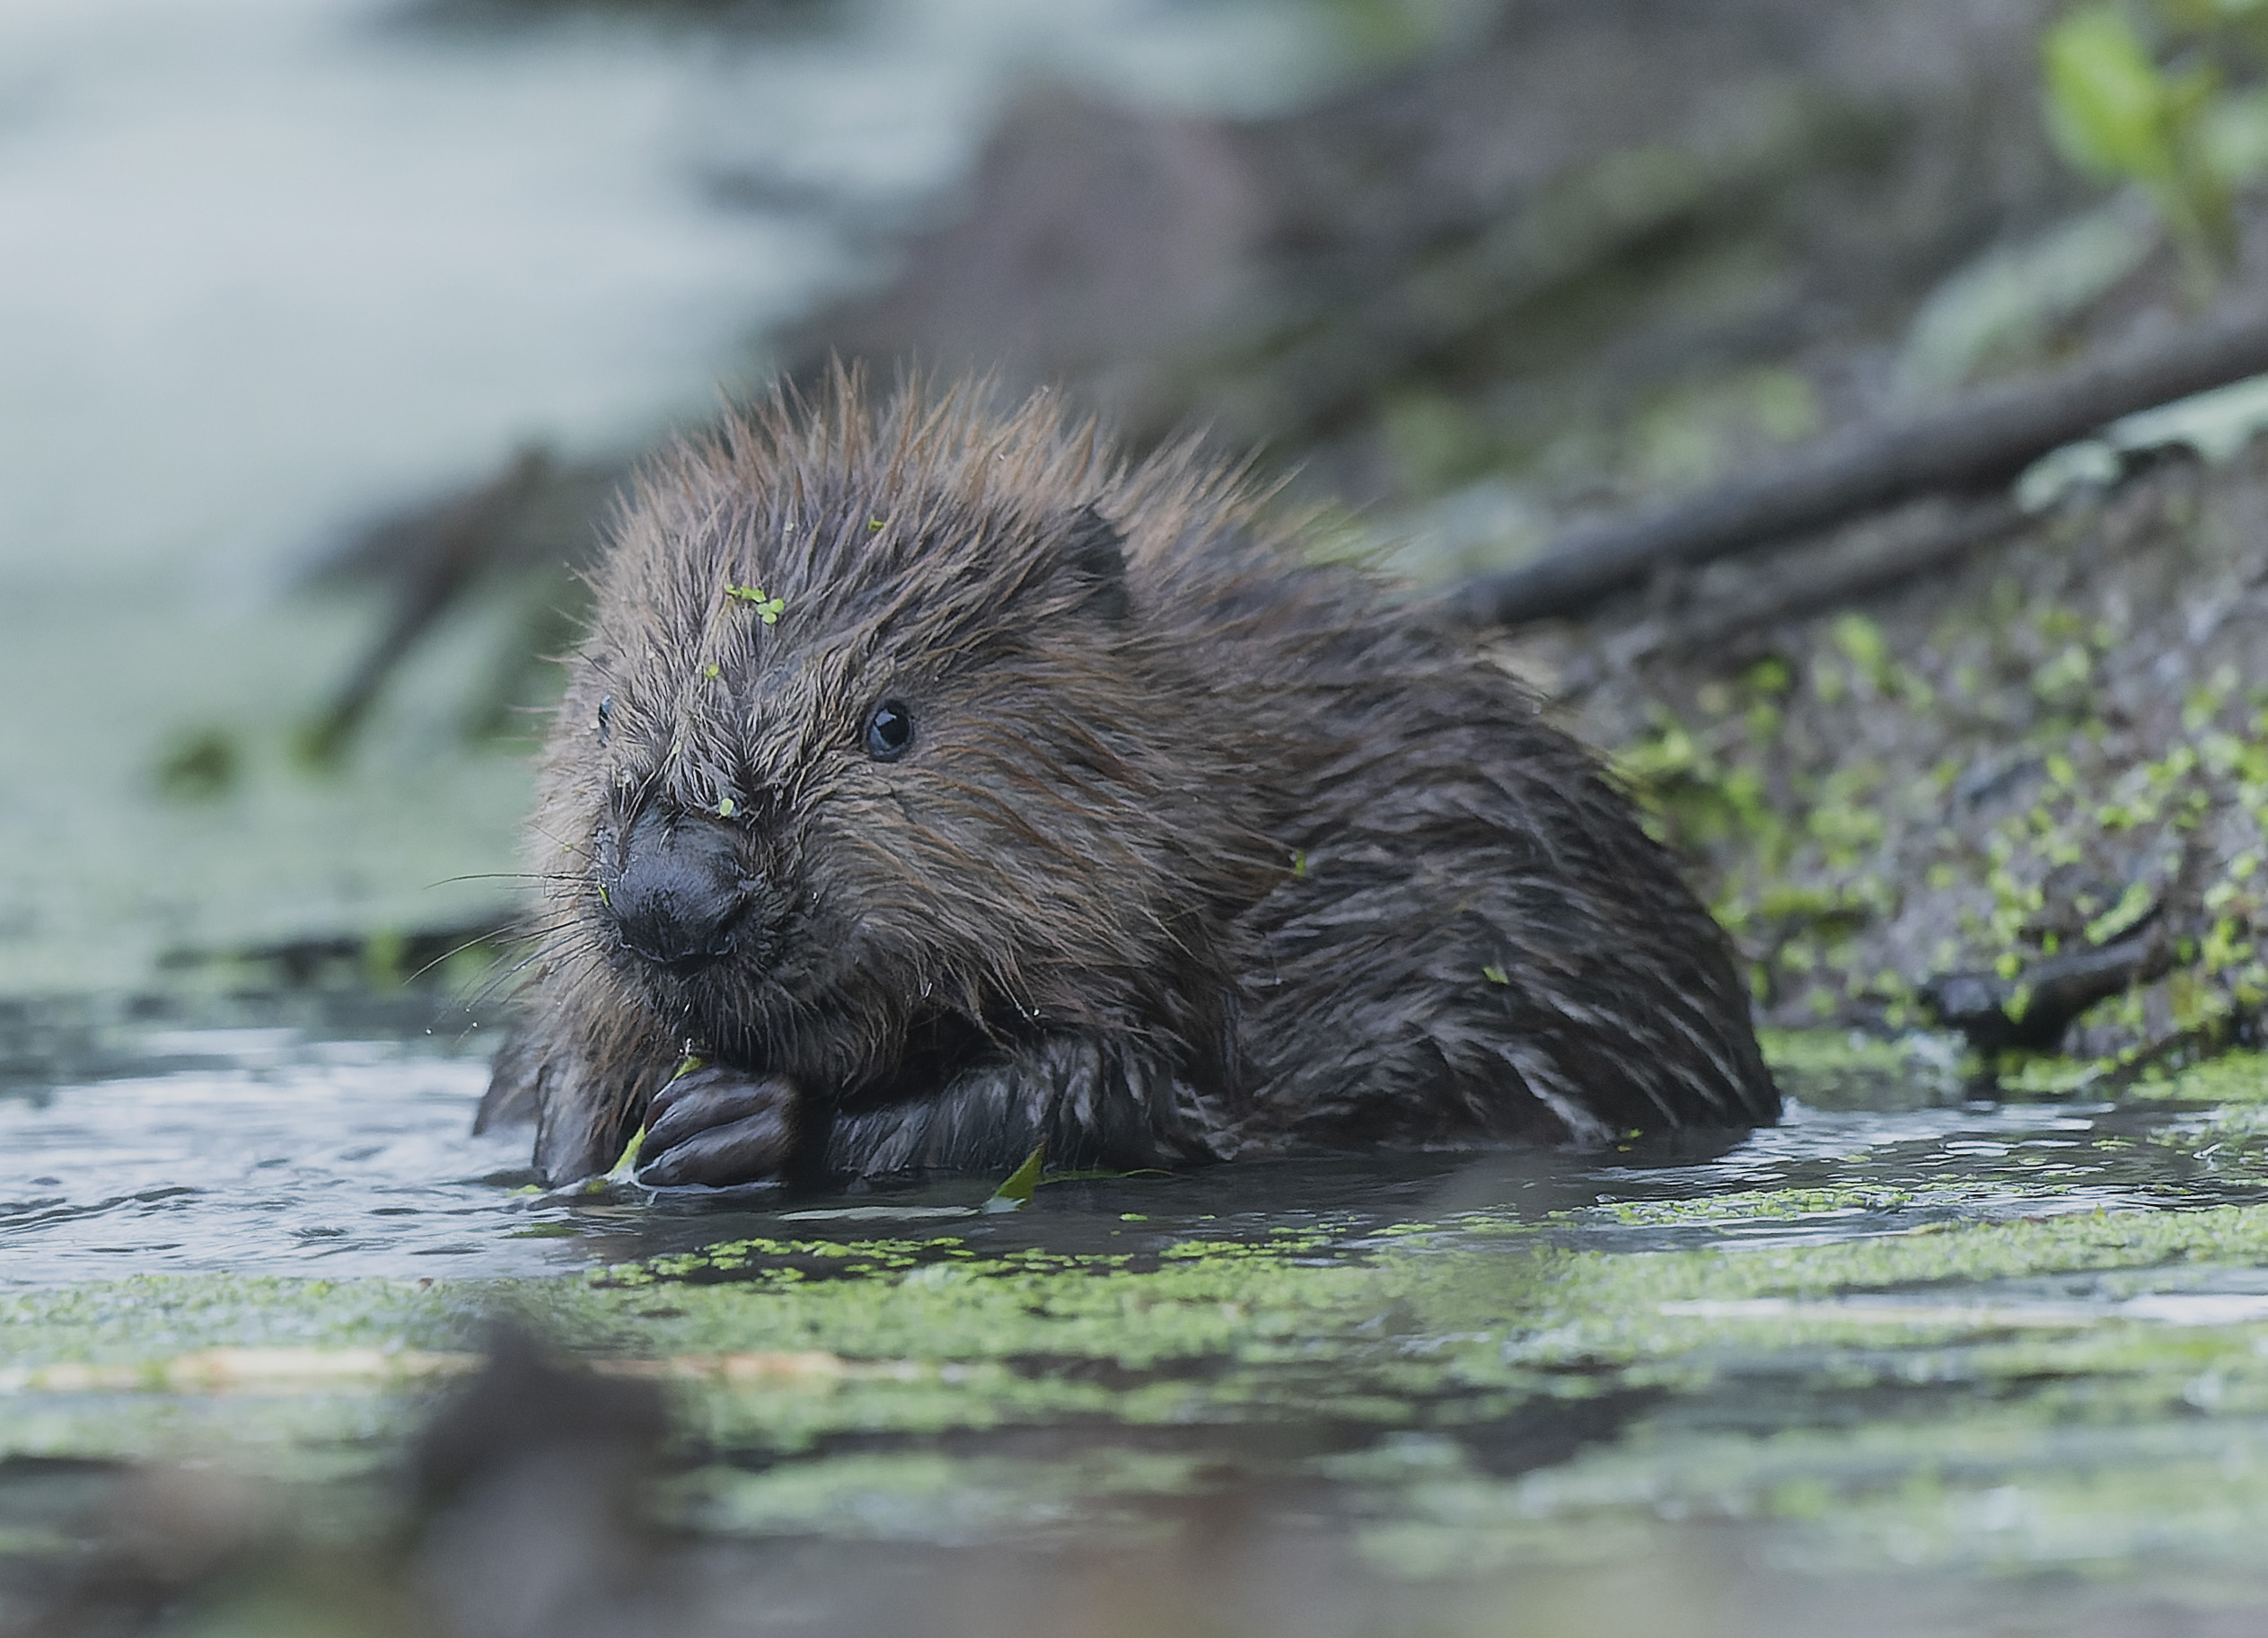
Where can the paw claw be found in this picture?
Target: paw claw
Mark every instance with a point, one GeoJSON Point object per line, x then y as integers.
{"type": "Point", "coordinates": [717, 1126]}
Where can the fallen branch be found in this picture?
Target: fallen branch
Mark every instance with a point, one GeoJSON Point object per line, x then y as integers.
{"type": "Point", "coordinates": [2033, 1011]}
{"type": "Point", "coordinates": [1984, 440]}
{"type": "Point", "coordinates": [1832, 578]}
{"type": "Point", "coordinates": [465, 537]}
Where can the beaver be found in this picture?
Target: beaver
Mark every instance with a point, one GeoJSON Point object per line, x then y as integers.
{"type": "Point", "coordinates": [937, 783]}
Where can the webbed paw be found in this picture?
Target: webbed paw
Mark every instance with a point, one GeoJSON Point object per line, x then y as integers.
{"type": "Point", "coordinates": [718, 1126]}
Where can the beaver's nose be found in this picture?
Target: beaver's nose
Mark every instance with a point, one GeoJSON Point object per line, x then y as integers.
{"type": "Point", "coordinates": [680, 890]}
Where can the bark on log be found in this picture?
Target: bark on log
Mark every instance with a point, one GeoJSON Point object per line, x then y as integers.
{"type": "Point", "coordinates": [2054, 992]}
{"type": "Point", "coordinates": [1820, 582]}
{"type": "Point", "coordinates": [1409, 315]}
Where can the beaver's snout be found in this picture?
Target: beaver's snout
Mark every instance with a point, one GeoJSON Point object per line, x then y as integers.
{"type": "Point", "coordinates": [679, 897]}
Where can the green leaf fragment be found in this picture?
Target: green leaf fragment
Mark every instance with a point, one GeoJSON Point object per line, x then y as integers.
{"type": "Point", "coordinates": [1016, 1192]}
{"type": "Point", "coordinates": [2134, 905]}
{"type": "Point", "coordinates": [725, 809]}
{"type": "Point", "coordinates": [2107, 101]}
{"type": "Point", "coordinates": [1496, 975]}
{"type": "Point", "coordinates": [768, 607]}
{"type": "Point", "coordinates": [2117, 112]}
{"type": "Point", "coordinates": [624, 1168]}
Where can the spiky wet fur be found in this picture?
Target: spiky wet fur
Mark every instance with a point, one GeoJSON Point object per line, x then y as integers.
{"type": "Point", "coordinates": [1200, 849]}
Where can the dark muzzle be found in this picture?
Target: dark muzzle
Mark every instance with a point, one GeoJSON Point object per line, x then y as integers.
{"type": "Point", "coordinates": [681, 897]}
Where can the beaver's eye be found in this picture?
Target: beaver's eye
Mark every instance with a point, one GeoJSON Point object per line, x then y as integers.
{"type": "Point", "coordinates": [606, 716]}
{"type": "Point", "coordinates": [889, 731]}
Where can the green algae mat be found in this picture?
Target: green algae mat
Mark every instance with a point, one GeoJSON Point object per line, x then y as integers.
{"type": "Point", "coordinates": [1875, 1389]}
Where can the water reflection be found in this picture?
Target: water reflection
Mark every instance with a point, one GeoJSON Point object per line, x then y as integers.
{"type": "Point", "coordinates": [276, 1154]}
{"type": "Point", "coordinates": [307, 1148]}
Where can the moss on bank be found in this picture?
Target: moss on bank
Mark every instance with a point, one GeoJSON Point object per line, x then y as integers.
{"type": "Point", "coordinates": [2058, 747]}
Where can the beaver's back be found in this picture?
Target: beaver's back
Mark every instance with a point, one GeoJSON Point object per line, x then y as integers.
{"type": "Point", "coordinates": [1478, 937]}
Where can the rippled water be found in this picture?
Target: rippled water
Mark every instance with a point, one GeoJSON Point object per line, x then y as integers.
{"type": "Point", "coordinates": [346, 1157]}
{"type": "Point", "coordinates": [1999, 1420]}
{"type": "Point", "coordinates": [334, 1147]}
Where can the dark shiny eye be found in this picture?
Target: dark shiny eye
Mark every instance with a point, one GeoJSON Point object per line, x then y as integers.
{"type": "Point", "coordinates": [889, 731]}
{"type": "Point", "coordinates": [606, 716]}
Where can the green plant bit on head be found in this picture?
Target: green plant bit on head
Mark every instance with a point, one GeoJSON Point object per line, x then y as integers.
{"type": "Point", "coordinates": [1496, 975]}
{"type": "Point", "coordinates": [768, 607]}
{"type": "Point", "coordinates": [725, 809]}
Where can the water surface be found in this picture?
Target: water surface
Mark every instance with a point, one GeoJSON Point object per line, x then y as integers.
{"type": "Point", "coordinates": [1965, 1367]}
{"type": "Point", "coordinates": [308, 1145]}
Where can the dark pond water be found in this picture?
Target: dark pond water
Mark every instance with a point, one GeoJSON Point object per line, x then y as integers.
{"type": "Point", "coordinates": [337, 1141]}
{"type": "Point", "coordinates": [2062, 1445]}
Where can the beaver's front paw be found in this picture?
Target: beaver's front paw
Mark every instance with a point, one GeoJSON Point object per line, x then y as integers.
{"type": "Point", "coordinates": [718, 1126]}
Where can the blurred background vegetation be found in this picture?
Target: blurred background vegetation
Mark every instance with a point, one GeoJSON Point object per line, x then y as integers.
{"type": "Point", "coordinates": [334, 329]}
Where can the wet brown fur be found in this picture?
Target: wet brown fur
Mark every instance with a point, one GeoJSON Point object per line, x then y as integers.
{"type": "Point", "coordinates": [1200, 851]}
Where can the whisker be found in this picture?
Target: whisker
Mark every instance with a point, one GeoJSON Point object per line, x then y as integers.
{"type": "Point", "coordinates": [478, 938]}
{"type": "Point", "coordinates": [496, 980]}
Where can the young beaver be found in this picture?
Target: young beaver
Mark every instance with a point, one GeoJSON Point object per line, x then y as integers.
{"type": "Point", "coordinates": [945, 785]}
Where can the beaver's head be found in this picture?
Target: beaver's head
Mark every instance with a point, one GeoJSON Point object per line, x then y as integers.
{"type": "Point", "coordinates": [874, 730]}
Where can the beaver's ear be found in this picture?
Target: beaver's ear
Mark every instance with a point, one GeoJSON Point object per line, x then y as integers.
{"type": "Point", "coordinates": [1090, 551]}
